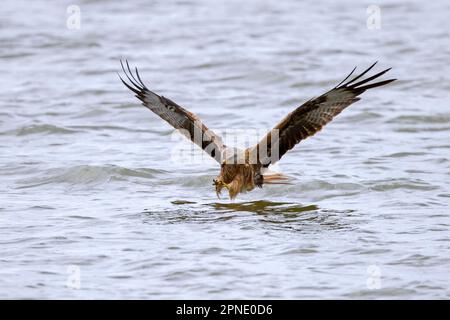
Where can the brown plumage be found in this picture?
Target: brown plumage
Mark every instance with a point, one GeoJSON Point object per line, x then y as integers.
{"type": "Point", "coordinates": [243, 170]}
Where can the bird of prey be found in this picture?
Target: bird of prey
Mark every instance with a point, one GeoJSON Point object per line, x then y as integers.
{"type": "Point", "coordinates": [243, 170]}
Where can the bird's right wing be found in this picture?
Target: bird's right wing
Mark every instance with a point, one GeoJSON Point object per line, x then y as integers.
{"type": "Point", "coordinates": [188, 123]}
{"type": "Point", "coordinates": [310, 117]}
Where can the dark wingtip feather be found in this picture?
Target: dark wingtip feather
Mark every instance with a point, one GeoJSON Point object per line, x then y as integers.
{"type": "Point", "coordinates": [131, 73]}
{"type": "Point", "coordinates": [128, 86]}
{"type": "Point", "coordinates": [130, 76]}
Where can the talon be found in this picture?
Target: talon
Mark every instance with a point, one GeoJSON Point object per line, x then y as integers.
{"type": "Point", "coordinates": [223, 184]}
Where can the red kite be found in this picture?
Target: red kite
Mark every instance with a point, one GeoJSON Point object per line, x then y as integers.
{"type": "Point", "coordinates": [242, 170]}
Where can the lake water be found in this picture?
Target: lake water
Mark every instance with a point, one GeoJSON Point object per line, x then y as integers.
{"type": "Point", "coordinates": [94, 204]}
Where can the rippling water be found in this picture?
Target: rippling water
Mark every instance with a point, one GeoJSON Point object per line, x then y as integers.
{"type": "Point", "coordinates": [91, 206]}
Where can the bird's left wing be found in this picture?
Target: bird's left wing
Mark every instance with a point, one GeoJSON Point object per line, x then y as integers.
{"type": "Point", "coordinates": [310, 117]}
{"type": "Point", "coordinates": [188, 123]}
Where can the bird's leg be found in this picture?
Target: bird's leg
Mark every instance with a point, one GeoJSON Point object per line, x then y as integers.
{"type": "Point", "coordinates": [226, 185]}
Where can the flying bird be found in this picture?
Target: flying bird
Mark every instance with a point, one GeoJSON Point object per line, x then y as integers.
{"type": "Point", "coordinates": [243, 170]}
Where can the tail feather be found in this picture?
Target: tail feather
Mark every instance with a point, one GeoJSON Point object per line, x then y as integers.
{"type": "Point", "coordinates": [276, 178]}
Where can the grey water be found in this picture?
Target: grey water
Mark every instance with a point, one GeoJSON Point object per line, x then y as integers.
{"type": "Point", "coordinates": [94, 202]}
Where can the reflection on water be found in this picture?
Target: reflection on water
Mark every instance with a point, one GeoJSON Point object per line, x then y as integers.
{"type": "Point", "coordinates": [276, 215]}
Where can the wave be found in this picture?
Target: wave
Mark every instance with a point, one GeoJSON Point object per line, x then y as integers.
{"type": "Point", "coordinates": [406, 184]}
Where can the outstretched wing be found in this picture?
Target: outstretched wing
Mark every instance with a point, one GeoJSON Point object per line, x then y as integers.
{"type": "Point", "coordinates": [310, 117]}
{"type": "Point", "coordinates": [188, 123]}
